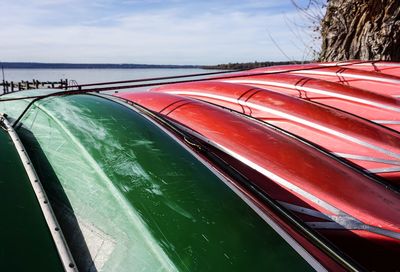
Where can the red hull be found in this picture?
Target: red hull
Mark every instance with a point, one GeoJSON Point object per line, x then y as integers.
{"type": "Point", "coordinates": [379, 108]}
{"type": "Point", "coordinates": [359, 78]}
{"type": "Point", "coordinates": [371, 146]}
{"type": "Point", "coordinates": [382, 67]}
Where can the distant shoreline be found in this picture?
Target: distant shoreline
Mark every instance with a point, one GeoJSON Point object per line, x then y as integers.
{"type": "Point", "coordinates": [38, 65]}
{"type": "Point", "coordinates": [251, 65]}
{"type": "Point", "coordinates": [228, 66]}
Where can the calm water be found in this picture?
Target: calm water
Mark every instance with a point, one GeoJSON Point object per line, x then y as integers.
{"type": "Point", "coordinates": [83, 76]}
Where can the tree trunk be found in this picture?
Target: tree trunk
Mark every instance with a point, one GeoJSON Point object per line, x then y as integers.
{"type": "Point", "coordinates": [361, 29]}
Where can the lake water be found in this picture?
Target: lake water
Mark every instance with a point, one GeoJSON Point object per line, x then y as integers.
{"type": "Point", "coordinates": [83, 76]}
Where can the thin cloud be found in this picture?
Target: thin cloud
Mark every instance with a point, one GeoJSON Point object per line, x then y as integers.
{"type": "Point", "coordinates": [166, 34]}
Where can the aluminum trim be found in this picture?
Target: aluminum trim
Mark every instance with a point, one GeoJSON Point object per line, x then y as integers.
{"type": "Point", "coordinates": [366, 158]}
{"type": "Point", "coordinates": [342, 74]}
{"type": "Point", "coordinates": [384, 170]}
{"type": "Point", "coordinates": [307, 211]}
{"type": "Point", "coordinates": [339, 222]}
{"type": "Point", "coordinates": [387, 122]}
{"type": "Point", "coordinates": [326, 225]}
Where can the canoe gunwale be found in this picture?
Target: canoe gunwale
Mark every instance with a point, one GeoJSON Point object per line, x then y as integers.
{"type": "Point", "coordinates": [60, 243]}
{"type": "Point", "coordinates": [195, 141]}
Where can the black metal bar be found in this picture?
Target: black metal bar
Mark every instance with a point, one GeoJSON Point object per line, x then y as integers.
{"type": "Point", "coordinates": [211, 73]}
{"type": "Point", "coordinates": [157, 78]}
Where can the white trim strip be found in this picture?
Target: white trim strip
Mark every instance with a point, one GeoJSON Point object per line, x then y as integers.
{"type": "Point", "coordinates": [387, 122]}
{"type": "Point", "coordinates": [377, 64]}
{"type": "Point", "coordinates": [366, 158]}
{"type": "Point", "coordinates": [384, 170]}
{"type": "Point", "coordinates": [344, 74]}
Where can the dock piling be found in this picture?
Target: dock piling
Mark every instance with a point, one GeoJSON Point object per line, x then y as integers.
{"type": "Point", "coordinates": [12, 86]}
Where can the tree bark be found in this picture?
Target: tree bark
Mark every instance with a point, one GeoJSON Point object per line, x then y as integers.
{"type": "Point", "coordinates": [361, 29]}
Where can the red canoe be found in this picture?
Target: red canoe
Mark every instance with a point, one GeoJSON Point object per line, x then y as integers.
{"type": "Point", "coordinates": [378, 108]}
{"type": "Point", "coordinates": [371, 146]}
{"type": "Point", "coordinates": [383, 67]}
{"type": "Point", "coordinates": [364, 79]}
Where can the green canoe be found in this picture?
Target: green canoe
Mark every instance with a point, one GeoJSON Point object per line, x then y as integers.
{"type": "Point", "coordinates": [128, 196]}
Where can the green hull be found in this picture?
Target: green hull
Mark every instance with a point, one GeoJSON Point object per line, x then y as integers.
{"type": "Point", "coordinates": [26, 241]}
{"type": "Point", "coordinates": [129, 197]}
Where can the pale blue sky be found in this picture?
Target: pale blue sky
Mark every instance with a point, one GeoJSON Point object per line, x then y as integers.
{"type": "Point", "coordinates": [153, 31]}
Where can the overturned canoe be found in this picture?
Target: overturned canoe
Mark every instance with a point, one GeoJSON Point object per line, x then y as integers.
{"type": "Point", "coordinates": [130, 196]}
{"type": "Point", "coordinates": [379, 108]}
{"type": "Point", "coordinates": [339, 132]}
{"type": "Point", "coordinates": [350, 76]}
{"type": "Point", "coordinates": [382, 67]}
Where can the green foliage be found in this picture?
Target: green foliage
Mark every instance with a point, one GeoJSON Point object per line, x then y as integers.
{"type": "Point", "coordinates": [249, 65]}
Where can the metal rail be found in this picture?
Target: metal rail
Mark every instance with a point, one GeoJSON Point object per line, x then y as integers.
{"type": "Point", "coordinates": [79, 89]}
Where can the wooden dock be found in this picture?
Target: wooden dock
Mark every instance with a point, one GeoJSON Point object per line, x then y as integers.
{"type": "Point", "coordinates": [11, 86]}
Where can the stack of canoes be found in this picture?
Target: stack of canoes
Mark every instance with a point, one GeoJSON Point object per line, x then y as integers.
{"type": "Point", "coordinates": [281, 168]}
